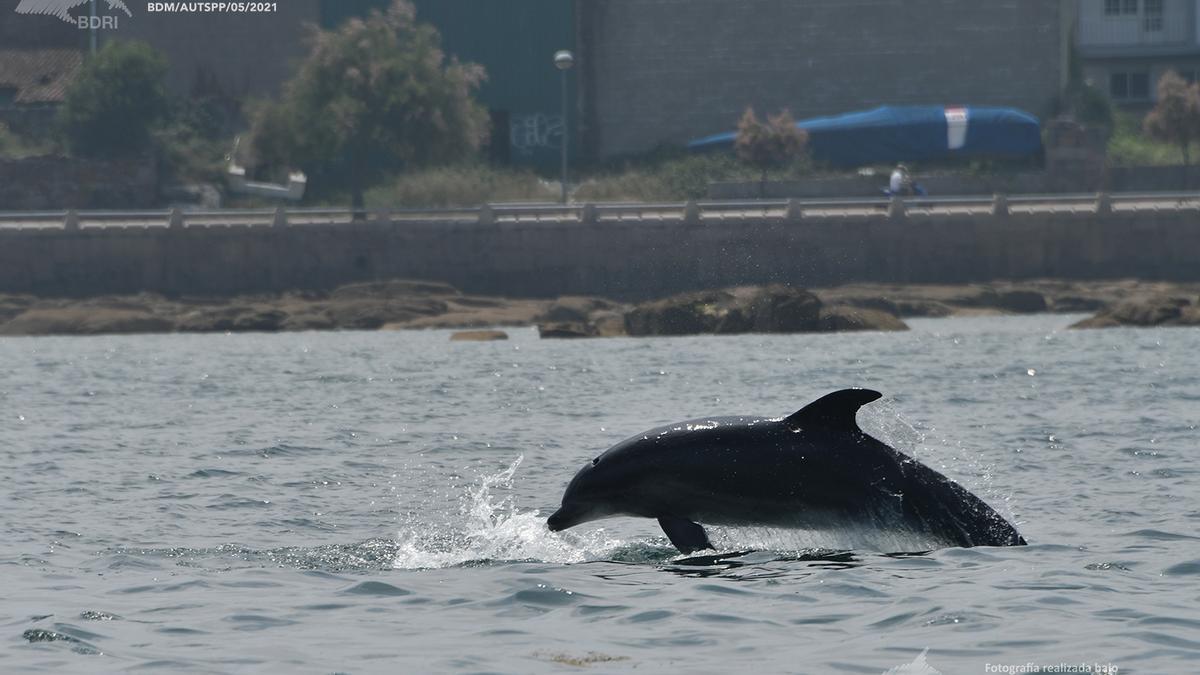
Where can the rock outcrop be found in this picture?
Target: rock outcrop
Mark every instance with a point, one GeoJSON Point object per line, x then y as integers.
{"type": "Point", "coordinates": [1157, 311]}
{"type": "Point", "coordinates": [1001, 297]}
{"type": "Point", "coordinates": [565, 330]}
{"type": "Point", "coordinates": [845, 317]}
{"type": "Point", "coordinates": [84, 321]}
{"type": "Point", "coordinates": [581, 316]}
{"type": "Point", "coordinates": [478, 336]}
{"type": "Point", "coordinates": [766, 309]}
{"type": "Point", "coordinates": [401, 304]}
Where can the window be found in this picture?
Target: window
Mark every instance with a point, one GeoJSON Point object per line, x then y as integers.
{"type": "Point", "coordinates": [1139, 86]}
{"type": "Point", "coordinates": [1118, 86]}
{"type": "Point", "coordinates": [1152, 18]}
{"type": "Point", "coordinates": [1119, 7]}
{"type": "Point", "coordinates": [1129, 86]}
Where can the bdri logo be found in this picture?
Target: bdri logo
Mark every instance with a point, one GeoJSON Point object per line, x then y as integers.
{"type": "Point", "coordinates": [62, 9]}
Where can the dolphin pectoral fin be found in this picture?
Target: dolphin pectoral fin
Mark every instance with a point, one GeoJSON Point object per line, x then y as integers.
{"type": "Point", "coordinates": [685, 535]}
{"type": "Point", "coordinates": [834, 411]}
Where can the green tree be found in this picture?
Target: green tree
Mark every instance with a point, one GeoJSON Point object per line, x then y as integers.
{"type": "Point", "coordinates": [1080, 99]}
{"type": "Point", "coordinates": [117, 100]}
{"type": "Point", "coordinates": [374, 95]}
{"type": "Point", "coordinates": [768, 145]}
{"type": "Point", "coordinates": [1176, 116]}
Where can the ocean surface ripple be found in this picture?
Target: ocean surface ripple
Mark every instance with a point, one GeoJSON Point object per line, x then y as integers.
{"type": "Point", "coordinates": [376, 502]}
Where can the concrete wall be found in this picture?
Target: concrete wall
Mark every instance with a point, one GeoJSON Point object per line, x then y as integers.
{"type": "Point", "coordinates": [673, 70]}
{"type": "Point", "coordinates": [631, 260]}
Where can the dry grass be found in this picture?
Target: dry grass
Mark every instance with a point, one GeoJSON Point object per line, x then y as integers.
{"type": "Point", "coordinates": [678, 177]}
{"type": "Point", "coordinates": [670, 177]}
{"type": "Point", "coordinates": [460, 186]}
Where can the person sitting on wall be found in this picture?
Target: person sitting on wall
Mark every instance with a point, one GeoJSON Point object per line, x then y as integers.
{"type": "Point", "coordinates": [901, 183]}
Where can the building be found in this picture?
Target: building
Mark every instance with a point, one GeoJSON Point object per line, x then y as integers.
{"type": "Point", "coordinates": [218, 54]}
{"type": "Point", "coordinates": [672, 70]}
{"type": "Point", "coordinates": [38, 60]}
{"type": "Point", "coordinates": [33, 84]}
{"type": "Point", "coordinates": [651, 72]}
{"type": "Point", "coordinates": [1126, 45]}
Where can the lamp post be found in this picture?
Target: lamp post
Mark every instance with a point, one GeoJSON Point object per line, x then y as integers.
{"type": "Point", "coordinates": [92, 27]}
{"type": "Point", "coordinates": [563, 60]}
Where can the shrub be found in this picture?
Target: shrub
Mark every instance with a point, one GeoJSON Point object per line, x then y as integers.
{"type": "Point", "coordinates": [1130, 146]}
{"type": "Point", "coordinates": [116, 102]}
{"type": "Point", "coordinates": [769, 145]}
{"type": "Point", "coordinates": [373, 96]}
{"type": "Point", "coordinates": [1175, 118]}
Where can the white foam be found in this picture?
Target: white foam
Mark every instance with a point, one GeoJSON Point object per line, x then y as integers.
{"type": "Point", "coordinates": [491, 528]}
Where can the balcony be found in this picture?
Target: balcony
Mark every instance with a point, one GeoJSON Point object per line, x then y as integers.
{"type": "Point", "coordinates": [1170, 34]}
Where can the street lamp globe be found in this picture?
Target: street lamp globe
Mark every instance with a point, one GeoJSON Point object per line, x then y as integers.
{"type": "Point", "coordinates": [563, 59]}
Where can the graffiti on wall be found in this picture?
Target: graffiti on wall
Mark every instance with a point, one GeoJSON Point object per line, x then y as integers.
{"type": "Point", "coordinates": [535, 132]}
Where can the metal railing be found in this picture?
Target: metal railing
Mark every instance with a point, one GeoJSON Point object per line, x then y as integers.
{"type": "Point", "coordinates": [1137, 31]}
{"type": "Point", "coordinates": [695, 212]}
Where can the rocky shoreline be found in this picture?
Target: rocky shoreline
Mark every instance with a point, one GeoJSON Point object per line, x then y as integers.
{"type": "Point", "coordinates": [391, 305]}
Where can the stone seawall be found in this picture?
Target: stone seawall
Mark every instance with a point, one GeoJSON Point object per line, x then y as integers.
{"type": "Point", "coordinates": [625, 260]}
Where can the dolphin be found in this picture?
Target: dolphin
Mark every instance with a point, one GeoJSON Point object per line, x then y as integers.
{"type": "Point", "coordinates": [815, 469]}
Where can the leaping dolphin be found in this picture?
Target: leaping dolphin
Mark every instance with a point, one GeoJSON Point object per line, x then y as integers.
{"type": "Point", "coordinates": [815, 469]}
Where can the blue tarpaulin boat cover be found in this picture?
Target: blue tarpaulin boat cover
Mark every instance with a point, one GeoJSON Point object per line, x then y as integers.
{"type": "Point", "coordinates": [912, 133]}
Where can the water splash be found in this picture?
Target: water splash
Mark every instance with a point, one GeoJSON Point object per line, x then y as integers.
{"type": "Point", "coordinates": [884, 421]}
{"type": "Point", "coordinates": [881, 536]}
{"type": "Point", "coordinates": [490, 528]}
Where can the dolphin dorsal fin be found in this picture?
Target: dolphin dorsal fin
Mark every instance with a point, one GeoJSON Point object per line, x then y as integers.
{"type": "Point", "coordinates": [834, 411]}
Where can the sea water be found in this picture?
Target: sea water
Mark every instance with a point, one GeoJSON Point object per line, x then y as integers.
{"type": "Point", "coordinates": [375, 502]}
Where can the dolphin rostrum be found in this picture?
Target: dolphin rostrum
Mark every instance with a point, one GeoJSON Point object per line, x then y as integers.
{"type": "Point", "coordinates": [814, 469]}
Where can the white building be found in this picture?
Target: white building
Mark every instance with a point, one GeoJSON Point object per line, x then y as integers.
{"type": "Point", "coordinates": [1126, 45]}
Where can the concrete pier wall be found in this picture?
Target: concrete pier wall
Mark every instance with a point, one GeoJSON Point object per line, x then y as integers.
{"type": "Point", "coordinates": [628, 259]}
